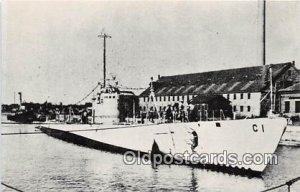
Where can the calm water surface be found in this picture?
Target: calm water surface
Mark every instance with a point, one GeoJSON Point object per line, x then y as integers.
{"type": "Point", "coordinates": [41, 163]}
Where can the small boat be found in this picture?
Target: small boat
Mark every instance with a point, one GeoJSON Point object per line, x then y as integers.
{"type": "Point", "coordinates": [22, 117]}
{"type": "Point", "coordinates": [25, 115]}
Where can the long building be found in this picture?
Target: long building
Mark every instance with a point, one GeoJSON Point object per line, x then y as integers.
{"type": "Point", "coordinates": [244, 87]}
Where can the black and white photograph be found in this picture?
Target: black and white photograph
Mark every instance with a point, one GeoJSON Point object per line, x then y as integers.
{"type": "Point", "coordinates": [146, 95]}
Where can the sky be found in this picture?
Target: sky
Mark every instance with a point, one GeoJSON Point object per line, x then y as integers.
{"type": "Point", "coordinates": [50, 49]}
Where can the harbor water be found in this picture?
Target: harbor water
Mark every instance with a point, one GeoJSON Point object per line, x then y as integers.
{"type": "Point", "coordinates": [37, 162]}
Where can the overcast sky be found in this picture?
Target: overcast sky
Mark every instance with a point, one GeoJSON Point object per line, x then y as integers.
{"type": "Point", "coordinates": [51, 49]}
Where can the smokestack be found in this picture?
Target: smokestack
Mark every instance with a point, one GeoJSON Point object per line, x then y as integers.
{"type": "Point", "coordinates": [20, 94]}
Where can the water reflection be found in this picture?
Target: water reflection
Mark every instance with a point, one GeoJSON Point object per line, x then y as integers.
{"type": "Point", "coordinates": [194, 183]}
{"type": "Point", "coordinates": [209, 180]}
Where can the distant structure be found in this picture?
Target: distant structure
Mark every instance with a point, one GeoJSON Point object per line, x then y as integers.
{"type": "Point", "coordinates": [290, 100]}
{"type": "Point", "coordinates": [246, 88]}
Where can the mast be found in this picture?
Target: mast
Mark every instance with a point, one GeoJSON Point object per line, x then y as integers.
{"type": "Point", "coordinates": [271, 88]}
{"type": "Point", "coordinates": [152, 98]}
{"type": "Point", "coordinates": [264, 32]}
{"type": "Point", "coordinates": [104, 36]}
{"type": "Point", "coordinates": [264, 58]}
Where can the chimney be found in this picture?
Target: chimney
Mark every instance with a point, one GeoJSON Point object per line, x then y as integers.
{"type": "Point", "coordinates": [158, 76]}
{"type": "Point", "coordinates": [293, 63]}
{"type": "Point", "coordinates": [20, 93]}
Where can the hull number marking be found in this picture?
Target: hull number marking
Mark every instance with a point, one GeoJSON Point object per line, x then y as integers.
{"type": "Point", "coordinates": [256, 129]}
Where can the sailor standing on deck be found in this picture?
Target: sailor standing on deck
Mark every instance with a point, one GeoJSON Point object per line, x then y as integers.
{"type": "Point", "coordinates": [84, 117]}
{"type": "Point", "coordinates": [169, 114]}
{"type": "Point", "coordinates": [174, 114]}
{"type": "Point", "coordinates": [183, 112]}
{"type": "Point", "coordinates": [151, 115]}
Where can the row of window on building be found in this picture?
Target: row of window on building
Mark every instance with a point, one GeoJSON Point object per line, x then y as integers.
{"type": "Point", "coordinates": [235, 108]}
{"type": "Point", "coordinates": [185, 97]}
{"type": "Point", "coordinates": [109, 97]}
{"type": "Point", "coordinates": [160, 108]}
{"type": "Point", "coordinates": [242, 108]}
{"type": "Point", "coordinates": [241, 96]}
{"type": "Point", "coordinates": [171, 98]}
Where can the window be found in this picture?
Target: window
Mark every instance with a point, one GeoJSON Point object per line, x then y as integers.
{"type": "Point", "coordinates": [188, 88]}
{"type": "Point", "coordinates": [179, 89]}
{"type": "Point", "coordinates": [242, 96]}
{"type": "Point", "coordinates": [249, 108]}
{"type": "Point", "coordinates": [182, 97]}
{"type": "Point", "coordinates": [168, 98]}
{"type": "Point", "coordinates": [178, 98]}
{"type": "Point", "coordinates": [198, 89]}
{"type": "Point", "coordinates": [297, 106]}
{"type": "Point", "coordinates": [221, 87]}
{"type": "Point", "coordinates": [286, 106]}
{"type": "Point", "coordinates": [234, 96]}
{"type": "Point", "coordinates": [247, 85]}
{"type": "Point", "coordinates": [228, 96]}
{"type": "Point", "coordinates": [234, 108]}
{"type": "Point", "coordinates": [249, 95]}
{"type": "Point", "coordinates": [144, 108]}
{"type": "Point", "coordinates": [209, 88]}
{"type": "Point", "coordinates": [164, 98]}
{"type": "Point", "coordinates": [241, 108]}
{"type": "Point", "coordinates": [170, 90]}
{"type": "Point", "coordinates": [233, 86]}
{"type": "Point", "coordinates": [144, 99]}
{"type": "Point", "coordinates": [161, 90]}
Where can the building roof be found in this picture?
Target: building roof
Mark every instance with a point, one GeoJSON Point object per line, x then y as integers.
{"type": "Point", "coordinates": [293, 88]}
{"type": "Point", "coordinates": [238, 80]}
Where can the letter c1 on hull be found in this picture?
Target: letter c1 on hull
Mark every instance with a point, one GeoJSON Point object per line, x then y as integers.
{"type": "Point", "coordinates": [255, 129]}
